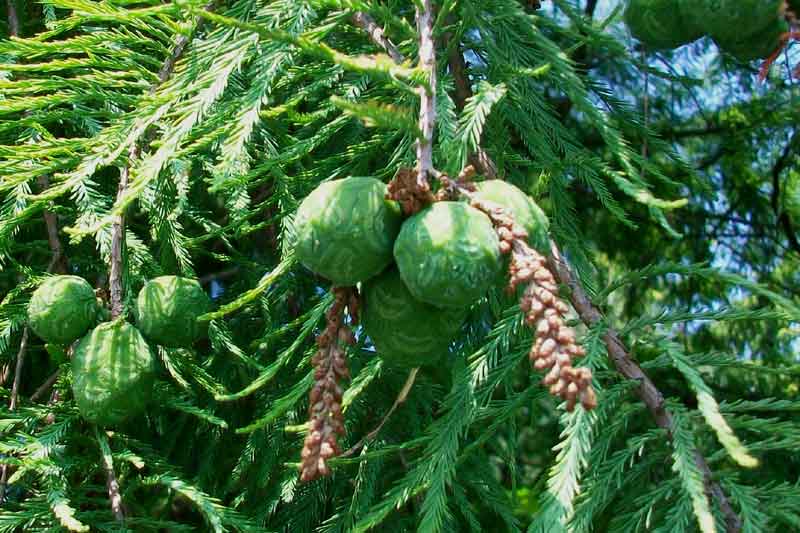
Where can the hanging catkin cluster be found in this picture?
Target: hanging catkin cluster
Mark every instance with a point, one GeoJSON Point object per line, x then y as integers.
{"type": "Point", "coordinates": [555, 346]}
{"type": "Point", "coordinates": [326, 421]}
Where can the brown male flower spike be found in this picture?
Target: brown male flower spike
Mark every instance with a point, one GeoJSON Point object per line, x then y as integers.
{"type": "Point", "coordinates": [555, 346]}
{"type": "Point", "coordinates": [408, 191]}
{"type": "Point", "coordinates": [326, 421]}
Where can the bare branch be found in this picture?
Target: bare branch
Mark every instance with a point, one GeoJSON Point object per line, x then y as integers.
{"type": "Point", "coordinates": [57, 264]}
{"type": "Point", "coordinates": [368, 24]}
{"type": "Point", "coordinates": [44, 387]}
{"type": "Point", "coordinates": [113, 491]}
{"type": "Point", "coordinates": [168, 67]}
{"type": "Point", "coordinates": [58, 261]}
{"type": "Point", "coordinates": [117, 252]}
{"type": "Point", "coordinates": [479, 159]}
{"type": "Point", "coordinates": [590, 315]}
{"type": "Point", "coordinates": [23, 347]}
{"type": "Point", "coordinates": [458, 68]}
{"type": "Point", "coordinates": [111, 479]}
{"type": "Point", "coordinates": [118, 230]}
{"type": "Point", "coordinates": [13, 20]}
{"type": "Point", "coordinates": [427, 93]}
{"type": "Point", "coordinates": [118, 240]}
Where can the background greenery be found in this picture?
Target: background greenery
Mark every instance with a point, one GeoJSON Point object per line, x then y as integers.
{"type": "Point", "coordinates": [678, 220]}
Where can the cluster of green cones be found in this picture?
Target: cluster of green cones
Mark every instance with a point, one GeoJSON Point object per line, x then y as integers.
{"type": "Point", "coordinates": [418, 277]}
{"type": "Point", "coordinates": [113, 366]}
{"type": "Point", "coordinates": [746, 29]}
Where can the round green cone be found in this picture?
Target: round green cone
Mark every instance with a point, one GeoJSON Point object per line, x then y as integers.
{"type": "Point", "coordinates": [521, 207]}
{"type": "Point", "coordinates": [448, 254]}
{"type": "Point", "coordinates": [167, 309]}
{"type": "Point", "coordinates": [62, 309]}
{"type": "Point", "coordinates": [728, 21]}
{"type": "Point", "coordinates": [113, 372]}
{"type": "Point", "coordinates": [660, 24]}
{"type": "Point", "coordinates": [344, 230]}
{"type": "Point", "coordinates": [405, 331]}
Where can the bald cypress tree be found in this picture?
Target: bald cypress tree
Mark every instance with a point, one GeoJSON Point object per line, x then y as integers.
{"type": "Point", "coordinates": [639, 375]}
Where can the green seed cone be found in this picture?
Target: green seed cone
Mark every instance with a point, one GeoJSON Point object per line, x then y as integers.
{"type": "Point", "coordinates": [661, 24]}
{"type": "Point", "coordinates": [113, 372]}
{"type": "Point", "coordinates": [344, 230]}
{"type": "Point", "coordinates": [735, 20]}
{"type": "Point", "coordinates": [448, 254]}
{"type": "Point", "coordinates": [522, 208]}
{"type": "Point", "coordinates": [406, 332]}
{"type": "Point", "coordinates": [62, 309]}
{"type": "Point", "coordinates": [167, 309]}
{"type": "Point", "coordinates": [759, 46]}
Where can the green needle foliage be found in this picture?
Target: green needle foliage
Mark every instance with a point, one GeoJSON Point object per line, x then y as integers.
{"type": "Point", "coordinates": [667, 178]}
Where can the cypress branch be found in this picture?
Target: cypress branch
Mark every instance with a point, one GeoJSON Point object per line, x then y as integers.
{"type": "Point", "coordinates": [427, 94]}
{"type": "Point", "coordinates": [368, 24]}
{"type": "Point", "coordinates": [269, 99]}
{"type": "Point", "coordinates": [647, 391]}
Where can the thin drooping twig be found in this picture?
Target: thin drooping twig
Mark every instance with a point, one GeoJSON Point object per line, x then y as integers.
{"type": "Point", "coordinates": [23, 346]}
{"type": "Point", "coordinates": [44, 387]}
{"type": "Point", "coordinates": [401, 398]}
{"type": "Point", "coordinates": [479, 159]}
{"type": "Point", "coordinates": [115, 275]}
{"type": "Point", "coordinates": [326, 420]}
{"type": "Point", "coordinates": [58, 260]}
{"type": "Point", "coordinates": [118, 229]}
{"type": "Point", "coordinates": [647, 391]}
{"type": "Point", "coordinates": [368, 24]}
{"type": "Point", "coordinates": [118, 245]}
{"type": "Point", "coordinates": [111, 479]}
{"type": "Point", "coordinates": [13, 20]}
{"type": "Point", "coordinates": [427, 94]}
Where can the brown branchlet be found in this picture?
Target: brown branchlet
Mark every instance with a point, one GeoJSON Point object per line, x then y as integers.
{"type": "Point", "coordinates": [411, 193]}
{"type": "Point", "coordinates": [555, 346]}
{"type": "Point", "coordinates": [326, 421]}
